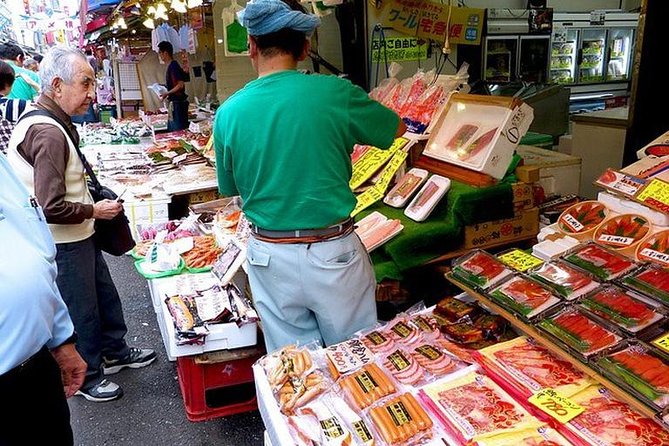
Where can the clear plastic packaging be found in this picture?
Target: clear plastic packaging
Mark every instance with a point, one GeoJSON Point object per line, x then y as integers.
{"type": "Point", "coordinates": [434, 359]}
{"type": "Point", "coordinates": [402, 332]}
{"type": "Point", "coordinates": [473, 407]}
{"type": "Point", "coordinates": [406, 187]}
{"type": "Point", "coordinates": [367, 386]}
{"type": "Point", "coordinates": [567, 281]}
{"type": "Point", "coordinates": [376, 229]}
{"type": "Point", "coordinates": [403, 367]}
{"type": "Point", "coordinates": [642, 370]}
{"type": "Point", "coordinates": [629, 311]}
{"type": "Point", "coordinates": [347, 356]}
{"type": "Point", "coordinates": [427, 326]}
{"type": "Point", "coordinates": [455, 310]}
{"type": "Point", "coordinates": [377, 340]}
{"type": "Point", "coordinates": [530, 367]}
{"type": "Point", "coordinates": [480, 269]}
{"type": "Point", "coordinates": [362, 432]}
{"type": "Point", "coordinates": [332, 430]}
{"type": "Point", "coordinates": [599, 261]}
{"type": "Point", "coordinates": [524, 297]}
{"type": "Point", "coordinates": [653, 281]}
{"type": "Point", "coordinates": [611, 422]}
{"type": "Point", "coordinates": [401, 420]}
{"type": "Point", "coordinates": [427, 198]}
{"type": "Point", "coordinates": [583, 335]}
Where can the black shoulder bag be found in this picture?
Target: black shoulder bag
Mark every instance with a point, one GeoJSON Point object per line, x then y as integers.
{"type": "Point", "coordinates": [112, 236]}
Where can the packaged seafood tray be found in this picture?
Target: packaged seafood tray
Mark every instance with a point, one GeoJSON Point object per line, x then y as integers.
{"type": "Point", "coordinates": [406, 187]}
{"type": "Point", "coordinates": [568, 282]}
{"type": "Point", "coordinates": [642, 370]}
{"type": "Point", "coordinates": [542, 436]}
{"type": "Point", "coordinates": [471, 407]}
{"type": "Point", "coordinates": [574, 328]}
{"type": "Point", "coordinates": [524, 297]}
{"type": "Point", "coordinates": [629, 311]}
{"type": "Point", "coordinates": [623, 232]}
{"type": "Point", "coordinates": [603, 263]}
{"type": "Point", "coordinates": [530, 368]}
{"type": "Point", "coordinates": [608, 421]}
{"type": "Point", "coordinates": [655, 249]}
{"type": "Point", "coordinates": [581, 219]}
{"type": "Point", "coordinates": [653, 281]}
{"type": "Point", "coordinates": [480, 269]}
{"type": "Point", "coordinates": [376, 229]}
{"type": "Point", "coordinates": [427, 198]}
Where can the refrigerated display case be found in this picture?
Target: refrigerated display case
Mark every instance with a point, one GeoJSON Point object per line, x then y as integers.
{"type": "Point", "coordinates": [510, 52]}
{"type": "Point", "coordinates": [591, 54]}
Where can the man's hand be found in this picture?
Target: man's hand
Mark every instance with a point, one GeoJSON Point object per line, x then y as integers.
{"type": "Point", "coordinates": [163, 96]}
{"type": "Point", "coordinates": [72, 368]}
{"type": "Point", "coordinates": [106, 209]}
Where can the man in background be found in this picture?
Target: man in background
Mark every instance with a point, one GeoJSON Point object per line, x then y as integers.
{"type": "Point", "coordinates": [176, 88]}
{"type": "Point", "coordinates": [10, 109]}
{"type": "Point", "coordinates": [23, 87]}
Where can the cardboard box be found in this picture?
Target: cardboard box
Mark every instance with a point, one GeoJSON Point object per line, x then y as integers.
{"type": "Point", "coordinates": [479, 133]}
{"type": "Point", "coordinates": [500, 232]}
{"type": "Point", "coordinates": [523, 197]}
{"type": "Point", "coordinates": [559, 173]}
{"type": "Point", "coordinates": [657, 147]}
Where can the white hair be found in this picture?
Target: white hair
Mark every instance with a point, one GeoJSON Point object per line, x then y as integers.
{"type": "Point", "coordinates": [58, 63]}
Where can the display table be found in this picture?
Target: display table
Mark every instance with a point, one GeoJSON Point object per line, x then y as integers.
{"type": "Point", "coordinates": [443, 231]}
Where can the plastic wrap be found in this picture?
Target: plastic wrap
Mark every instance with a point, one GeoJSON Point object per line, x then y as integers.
{"type": "Point", "coordinates": [480, 269]}
{"type": "Point", "coordinates": [581, 219]}
{"type": "Point", "coordinates": [524, 297]}
{"type": "Point", "coordinates": [652, 281]}
{"type": "Point", "coordinates": [543, 436]}
{"type": "Point", "coordinates": [401, 420]}
{"type": "Point", "coordinates": [567, 281]}
{"type": "Point", "coordinates": [599, 261]}
{"type": "Point", "coordinates": [367, 386]}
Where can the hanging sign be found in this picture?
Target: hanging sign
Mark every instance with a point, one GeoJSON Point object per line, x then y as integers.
{"type": "Point", "coordinates": [429, 20]}
{"type": "Point", "coordinates": [397, 49]}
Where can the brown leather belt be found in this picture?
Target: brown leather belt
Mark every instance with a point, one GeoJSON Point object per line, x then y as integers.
{"type": "Point", "coordinates": [303, 235]}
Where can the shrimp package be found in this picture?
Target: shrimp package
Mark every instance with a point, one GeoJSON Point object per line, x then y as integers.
{"type": "Point", "coordinates": [472, 407]}
{"type": "Point", "coordinates": [529, 367]}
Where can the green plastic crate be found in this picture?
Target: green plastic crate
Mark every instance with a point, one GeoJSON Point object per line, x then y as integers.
{"type": "Point", "coordinates": [537, 140]}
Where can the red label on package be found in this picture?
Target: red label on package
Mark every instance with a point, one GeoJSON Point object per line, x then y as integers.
{"type": "Point", "coordinates": [616, 240]}
{"type": "Point", "coordinates": [571, 221]}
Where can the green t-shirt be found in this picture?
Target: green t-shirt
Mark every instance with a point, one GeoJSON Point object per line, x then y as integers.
{"type": "Point", "coordinates": [284, 142]}
{"type": "Point", "coordinates": [20, 89]}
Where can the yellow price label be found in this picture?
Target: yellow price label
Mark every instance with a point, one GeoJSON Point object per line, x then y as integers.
{"type": "Point", "coordinates": [372, 161]}
{"type": "Point", "coordinates": [366, 199]}
{"type": "Point", "coordinates": [662, 342]}
{"type": "Point", "coordinates": [390, 170]}
{"type": "Point", "coordinates": [655, 194]}
{"type": "Point", "coordinates": [210, 142]}
{"type": "Point", "coordinates": [520, 260]}
{"type": "Point", "coordinates": [557, 406]}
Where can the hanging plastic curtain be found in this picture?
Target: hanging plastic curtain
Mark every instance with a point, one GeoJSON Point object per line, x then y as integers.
{"type": "Point", "coordinates": [234, 34]}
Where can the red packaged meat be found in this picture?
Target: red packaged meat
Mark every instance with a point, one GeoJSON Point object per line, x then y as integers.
{"type": "Point", "coordinates": [378, 342]}
{"type": "Point", "coordinates": [403, 367]}
{"type": "Point", "coordinates": [567, 281]}
{"type": "Point", "coordinates": [524, 296]}
{"type": "Point", "coordinates": [427, 326]}
{"type": "Point", "coordinates": [610, 422]}
{"type": "Point", "coordinates": [642, 369]}
{"type": "Point", "coordinates": [652, 281]}
{"type": "Point", "coordinates": [579, 332]}
{"type": "Point", "coordinates": [629, 311]}
{"type": "Point", "coordinates": [402, 332]}
{"type": "Point", "coordinates": [480, 269]}
{"type": "Point", "coordinates": [433, 359]}
{"type": "Point", "coordinates": [601, 262]}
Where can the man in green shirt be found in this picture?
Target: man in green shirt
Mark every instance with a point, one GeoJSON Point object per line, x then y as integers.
{"type": "Point", "coordinates": [283, 143]}
{"type": "Point", "coordinates": [22, 89]}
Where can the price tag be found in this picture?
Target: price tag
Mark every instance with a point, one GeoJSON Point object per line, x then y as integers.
{"type": "Point", "coordinates": [656, 195]}
{"type": "Point", "coordinates": [556, 405]}
{"type": "Point", "coordinates": [210, 142]}
{"type": "Point", "coordinates": [520, 260]}
{"type": "Point", "coordinates": [662, 342]}
{"type": "Point", "coordinates": [371, 161]}
{"type": "Point", "coordinates": [389, 171]}
{"type": "Point", "coordinates": [366, 199]}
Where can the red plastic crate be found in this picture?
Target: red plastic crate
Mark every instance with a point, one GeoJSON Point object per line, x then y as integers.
{"type": "Point", "coordinates": [213, 388]}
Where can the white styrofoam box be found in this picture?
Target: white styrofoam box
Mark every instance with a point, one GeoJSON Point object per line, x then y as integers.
{"type": "Point", "coordinates": [276, 428]}
{"type": "Point", "coordinates": [564, 145]}
{"type": "Point", "coordinates": [220, 337]}
{"type": "Point", "coordinates": [625, 206]}
{"type": "Point", "coordinates": [547, 250]}
{"type": "Point", "coordinates": [559, 173]}
{"type": "Point", "coordinates": [146, 211]}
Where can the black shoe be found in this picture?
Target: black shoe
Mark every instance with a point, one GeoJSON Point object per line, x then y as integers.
{"type": "Point", "coordinates": [103, 391]}
{"type": "Point", "coordinates": [137, 358]}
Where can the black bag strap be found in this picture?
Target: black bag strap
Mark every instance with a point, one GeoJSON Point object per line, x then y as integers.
{"type": "Point", "coordinates": [68, 132]}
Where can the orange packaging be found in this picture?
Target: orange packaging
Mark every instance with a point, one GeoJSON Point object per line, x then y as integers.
{"type": "Point", "coordinates": [623, 232]}
{"type": "Point", "coordinates": [655, 249]}
{"type": "Point", "coordinates": [581, 219]}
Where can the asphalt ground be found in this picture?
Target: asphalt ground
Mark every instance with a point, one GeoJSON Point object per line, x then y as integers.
{"type": "Point", "coordinates": [152, 411]}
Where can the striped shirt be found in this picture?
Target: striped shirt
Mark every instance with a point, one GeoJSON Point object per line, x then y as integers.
{"type": "Point", "coordinates": [10, 111]}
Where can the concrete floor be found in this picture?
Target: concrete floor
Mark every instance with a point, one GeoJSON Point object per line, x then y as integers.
{"type": "Point", "coordinates": [152, 411]}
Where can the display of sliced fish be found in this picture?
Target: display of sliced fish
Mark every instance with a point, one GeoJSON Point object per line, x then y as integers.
{"type": "Point", "coordinates": [601, 262]}
{"type": "Point", "coordinates": [524, 296]}
{"type": "Point", "coordinates": [579, 332]}
{"type": "Point", "coordinates": [480, 269]}
{"type": "Point", "coordinates": [628, 310]}
{"type": "Point", "coordinates": [567, 281]}
{"type": "Point", "coordinates": [652, 281]}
